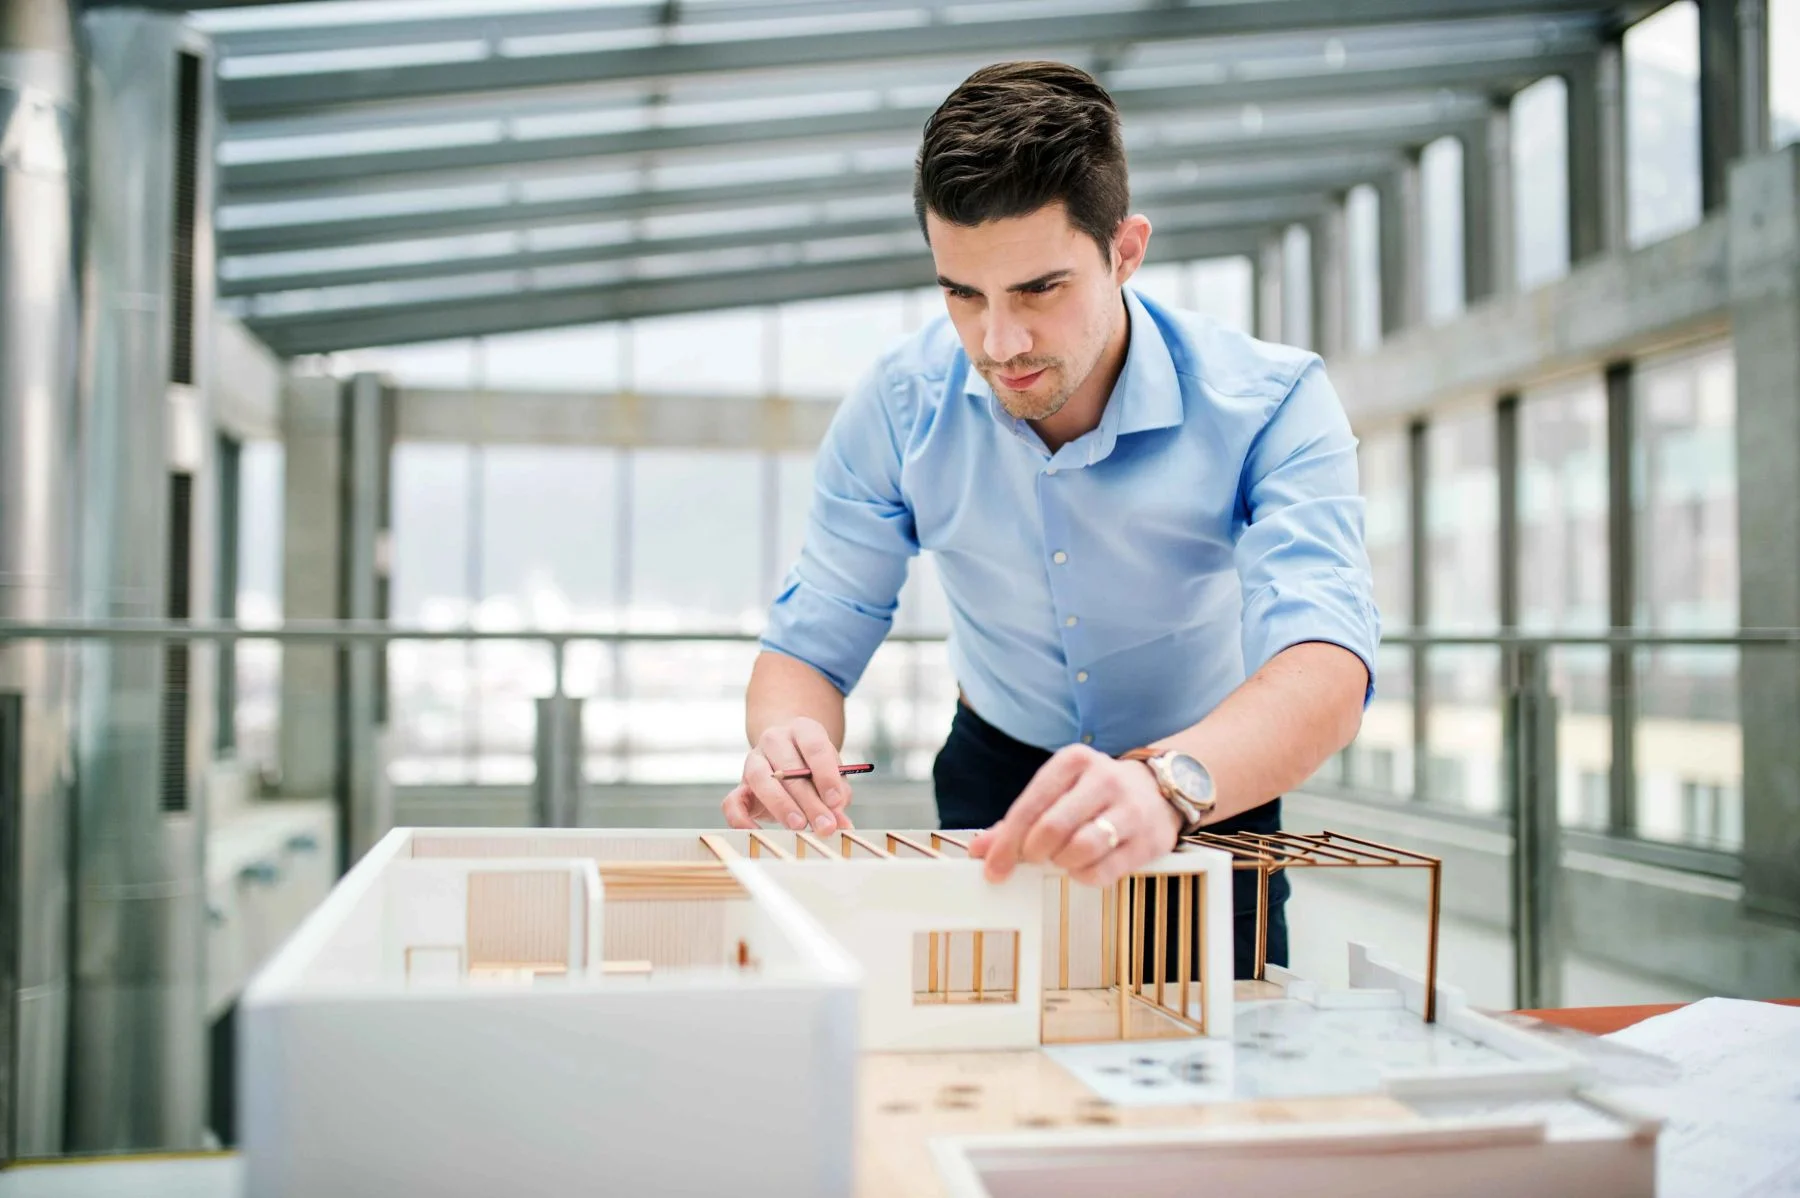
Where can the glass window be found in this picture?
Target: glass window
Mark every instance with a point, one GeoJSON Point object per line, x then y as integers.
{"type": "Point", "coordinates": [1685, 493]}
{"type": "Point", "coordinates": [1296, 286]}
{"type": "Point", "coordinates": [261, 511]}
{"type": "Point", "coordinates": [1440, 182]}
{"type": "Point", "coordinates": [1540, 146]}
{"type": "Point", "coordinates": [1784, 71]}
{"type": "Point", "coordinates": [827, 345]}
{"type": "Point", "coordinates": [1381, 760]}
{"type": "Point", "coordinates": [1163, 282]}
{"type": "Point", "coordinates": [710, 353]}
{"type": "Point", "coordinates": [428, 364]}
{"type": "Point", "coordinates": [696, 550]}
{"type": "Point", "coordinates": [1462, 766]}
{"type": "Point", "coordinates": [1662, 114]}
{"type": "Point", "coordinates": [1563, 580]}
{"type": "Point", "coordinates": [548, 551]}
{"type": "Point", "coordinates": [1362, 235]}
{"type": "Point", "coordinates": [1220, 288]}
{"type": "Point", "coordinates": [433, 716]}
{"type": "Point", "coordinates": [587, 358]}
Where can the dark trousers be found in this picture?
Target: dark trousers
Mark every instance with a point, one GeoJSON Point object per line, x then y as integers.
{"type": "Point", "coordinates": [981, 770]}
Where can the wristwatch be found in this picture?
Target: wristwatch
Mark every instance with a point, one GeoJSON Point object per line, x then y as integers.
{"type": "Point", "coordinates": [1184, 782]}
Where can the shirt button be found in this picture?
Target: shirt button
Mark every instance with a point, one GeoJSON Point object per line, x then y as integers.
{"type": "Point", "coordinates": [1081, 677]}
{"type": "Point", "coordinates": [1059, 557]}
{"type": "Point", "coordinates": [1071, 621]}
{"type": "Point", "coordinates": [1050, 470]}
{"type": "Point", "coordinates": [1087, 738]}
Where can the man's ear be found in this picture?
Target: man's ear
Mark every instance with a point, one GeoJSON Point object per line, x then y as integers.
{"type": "Point", "coordinates": [1130, 244]}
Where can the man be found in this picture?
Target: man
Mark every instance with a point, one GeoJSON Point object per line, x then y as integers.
{"type": "Point", "coordinates": [1147, 528]}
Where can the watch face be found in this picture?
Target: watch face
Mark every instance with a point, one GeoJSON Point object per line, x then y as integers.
{"type": "Point", "coordinates": [1191, 778]}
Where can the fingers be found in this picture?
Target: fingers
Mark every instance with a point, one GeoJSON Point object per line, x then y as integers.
{"type": "Point", "coordinates": [799, 803]}
{"type": "Point", "coordinates": [1052, 781]}
{"type": "Point", "coordinates": [821, 757]}
{"type": "Point", "coordinates": [1092, 793]}
{"type": "Point", "coordinates": [1137, 847]}
{"type": "Point", "coordinates": [738, 806]}
{"type": "Point", "coordinates": [1085, 851]}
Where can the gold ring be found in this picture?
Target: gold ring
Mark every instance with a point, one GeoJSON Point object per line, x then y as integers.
{"type": "Point", "coordinates": [1112, 833]}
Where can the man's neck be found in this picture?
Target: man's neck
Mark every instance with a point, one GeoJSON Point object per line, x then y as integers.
{"type": "Point", "coordinates": [1081, 414]}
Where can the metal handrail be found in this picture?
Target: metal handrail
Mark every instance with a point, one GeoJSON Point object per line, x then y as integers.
{"type": "Point", "coordinates": [366, 632]}
{"type": "Point", "coordinates": [369, 632]}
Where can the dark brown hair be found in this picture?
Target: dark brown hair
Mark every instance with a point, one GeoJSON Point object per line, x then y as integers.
{"type": "Point", "coordinates": [1016, 136]}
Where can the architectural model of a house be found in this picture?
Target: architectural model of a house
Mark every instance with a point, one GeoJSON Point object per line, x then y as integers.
{"type": "Point", "coordinates": [499, 1011]}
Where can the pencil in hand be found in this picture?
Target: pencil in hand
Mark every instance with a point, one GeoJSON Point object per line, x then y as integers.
{"type": "Point", "coordinates": [863, 768]}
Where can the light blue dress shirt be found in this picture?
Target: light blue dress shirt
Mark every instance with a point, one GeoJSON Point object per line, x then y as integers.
{"type": "Point", "coordinates": [1113, 592]}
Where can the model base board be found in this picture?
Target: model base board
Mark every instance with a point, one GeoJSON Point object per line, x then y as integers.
{"type": "Point", "coordinates": [471, 1010]}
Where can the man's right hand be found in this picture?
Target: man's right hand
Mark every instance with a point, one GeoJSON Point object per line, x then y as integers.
{"type": "Point", "coordinates": [818, 802]}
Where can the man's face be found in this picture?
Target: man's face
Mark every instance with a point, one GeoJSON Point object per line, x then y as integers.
{"type": "Point", "coordinates": [1033, 300]}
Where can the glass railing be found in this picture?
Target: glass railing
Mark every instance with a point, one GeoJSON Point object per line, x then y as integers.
{"type": "Point", "coordinates": [1503, 743]}
{"type": "Point", "coordinates": [462, 709]}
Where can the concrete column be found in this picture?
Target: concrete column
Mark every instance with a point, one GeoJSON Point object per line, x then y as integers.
{"type": "Point", "coordinates": [1402, 250]}
{"type": "Point", "coordinates": [312, 442]}
{"type": "Point", "coordinates": [1596, 158]}
{"type": "Point", "coordinates": [1764, 221]}
{"type": "Point", "coordinates": [1488, 268]}
{"type": "Point", "coordinates": [1330, 282]}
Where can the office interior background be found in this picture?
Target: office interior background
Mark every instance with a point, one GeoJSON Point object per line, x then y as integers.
{"type": "Point", "coordinates": [407, 414]}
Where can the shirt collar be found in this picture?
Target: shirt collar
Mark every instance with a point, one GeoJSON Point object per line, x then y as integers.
{"type": "Point", "coordinates": [1146, 396]}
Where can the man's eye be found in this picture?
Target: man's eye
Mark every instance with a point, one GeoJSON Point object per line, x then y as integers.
{"type": "Point", "coordinates": [953, 293]}
{"type": "Point", "coordinates": [1042, 288]}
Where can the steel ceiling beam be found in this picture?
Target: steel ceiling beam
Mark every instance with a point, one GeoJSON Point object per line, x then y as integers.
{"type": "Point", "coordinates": [560, 22]}
{"type": "Point", "coordinates": [1171, 219]}
{"type": "Point", "coordinates": [514, 311]}
{"type": "Point", "coordinates": [256, 97]}
{"type": "Point", "coordinates": [360, 174]}
{"type": "Point", "coordinates": [1246, 182]}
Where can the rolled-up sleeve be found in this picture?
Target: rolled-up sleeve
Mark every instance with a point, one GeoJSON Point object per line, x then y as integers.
{"type": "Point", "coordinates": [837, 603]}
{"type": "Point", "coordinates": [1299, 553]}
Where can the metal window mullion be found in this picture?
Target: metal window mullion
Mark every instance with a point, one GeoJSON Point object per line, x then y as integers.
{"type": "Point", "coordinates": [1419, 585]}
{"type": "Point", "coordinates": [1506, 445]}
{"type": "Point", "coordinates": [1621, 534]}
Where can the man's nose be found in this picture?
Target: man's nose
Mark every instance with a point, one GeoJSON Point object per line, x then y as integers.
{"type": "Point", "coordinates": [1005, 338]}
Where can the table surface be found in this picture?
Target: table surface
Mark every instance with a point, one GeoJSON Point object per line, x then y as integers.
{"type": "Point", "coordinates": [1599, 1021]}
{"type": "Point", "coordinates": [220, 1175]}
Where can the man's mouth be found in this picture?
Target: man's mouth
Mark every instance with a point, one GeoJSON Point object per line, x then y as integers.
{"type": "Point", "coordinates": [1021, 382]}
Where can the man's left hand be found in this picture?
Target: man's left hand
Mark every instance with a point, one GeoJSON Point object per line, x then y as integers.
{"type": "Point", "coordinates": [1070, 815]}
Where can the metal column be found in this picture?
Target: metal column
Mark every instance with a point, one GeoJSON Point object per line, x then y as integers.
{"type": "Point", "coordinates": [1330, 282]}
{"type": "Point", "coordinates": [137, 1077]}
{"type": "Point", "coordinates": [1596, 155]}
{"type": "Point", "coordinates": [1488, 208]}
{"type": "Point", "coordinates": [367, 429]}
{"type": "Point", "coordinates": [39, 480]}
{"type": "Point", "coordinates": [1402, 249]}
{"type": "Point", "coordinates": [556, 787]}
{"type": "Point", "coordinates": [1418, 481]}
{"type": "Point", "coordinates": [1538, 911]}
{"type": "Point", "coordinates": [1267, 298]}
{"type": "Point", "coordinates": [1720, 137]}
{"type": "Point", "coordinates": [1621, 540]}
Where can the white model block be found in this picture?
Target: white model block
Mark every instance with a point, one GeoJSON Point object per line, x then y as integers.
{"type": "Point", "coordinates": [355, 1082]}
{"type": "Point", "coordinates": [876, 909]}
